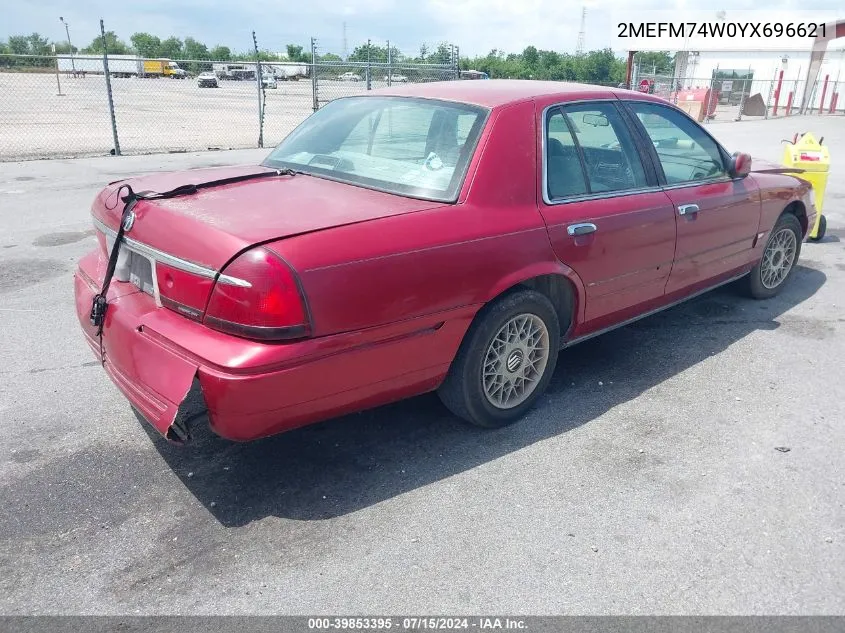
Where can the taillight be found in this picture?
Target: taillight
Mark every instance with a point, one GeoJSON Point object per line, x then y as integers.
{"type": "Point", "coordinates": [182, 291]}
{"type": "Point", "coordinates": [257, 296]}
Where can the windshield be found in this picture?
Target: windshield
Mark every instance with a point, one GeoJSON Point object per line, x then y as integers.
{"type": "Point", "coordinates": [414, 147]}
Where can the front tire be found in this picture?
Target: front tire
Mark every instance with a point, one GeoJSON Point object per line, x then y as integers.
{"type": "Point", "coordinates": [780, 255]}
{"type": "Point", "coordinates": [505, 361]}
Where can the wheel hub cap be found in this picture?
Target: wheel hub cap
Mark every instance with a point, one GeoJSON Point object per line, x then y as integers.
{"type": "Point", "coordinates": [515, 361]}
{"type": "Point", "coordinates": [778, 258]}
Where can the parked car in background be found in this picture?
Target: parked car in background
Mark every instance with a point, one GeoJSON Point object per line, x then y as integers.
{"type": "Point", "coordinates": [399, 79]}
{"type": "Point", "coordinates": [269, 81]}
{"type": "Point", "coordinates": [448, 236]}
{"type": "Point", "coordinates": [350, 76]}
{"type": "Point", "coordinates": [207, 80]}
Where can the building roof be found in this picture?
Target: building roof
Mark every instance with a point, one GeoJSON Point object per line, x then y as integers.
{"type": "Point", "coordinates": [491, 93]}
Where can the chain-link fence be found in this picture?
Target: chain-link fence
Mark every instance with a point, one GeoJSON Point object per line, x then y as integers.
{"type": "Point", "coordinates": [67, 106]}
{"type": "Point", "coordinates": [741, 96]}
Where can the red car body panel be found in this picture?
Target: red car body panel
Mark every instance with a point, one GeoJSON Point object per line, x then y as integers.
{"type": "Point", "coordinates": [211, 226]}
{"type": "Point", "coordinates": [392, 284]}
{"type": "Point", "coordinates": [721, 236]}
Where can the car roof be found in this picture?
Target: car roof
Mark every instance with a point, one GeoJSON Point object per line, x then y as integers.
{"type": "Point", "coordinates": [493, 93]}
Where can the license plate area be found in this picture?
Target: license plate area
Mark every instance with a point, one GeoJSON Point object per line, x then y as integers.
{"type": "Point", "coordinates": [141, 273]}
{"type": "Point", "coordinates": [135, 268]}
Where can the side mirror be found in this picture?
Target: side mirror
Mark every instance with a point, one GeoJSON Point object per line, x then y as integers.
{"type": "Point", "coordinates": [740, 165]}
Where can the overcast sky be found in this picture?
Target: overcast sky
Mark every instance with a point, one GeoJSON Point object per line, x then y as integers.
{"type": "Point", "coordinates": [477, 26]}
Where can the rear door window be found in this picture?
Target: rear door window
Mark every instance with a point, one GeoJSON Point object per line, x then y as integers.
{"type": "Point", "coordinates": [590, 150]}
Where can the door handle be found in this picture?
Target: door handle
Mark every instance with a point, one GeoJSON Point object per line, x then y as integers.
{"type": "Point", "coordinates": [581, 229]}
{"type": "Point", "coordinates": [687, 209]}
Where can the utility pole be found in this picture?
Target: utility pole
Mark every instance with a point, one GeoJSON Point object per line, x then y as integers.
{"type": "Point", "coordinates": [345, 47]}
{"type": "Point", "coordinates": [70, 46]}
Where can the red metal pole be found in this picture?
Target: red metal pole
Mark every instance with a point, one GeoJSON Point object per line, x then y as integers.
{"type": "Point", "coordinates": [789, 104]}
{"type": "Point", "coordinates": [824, 90]}
{"type": "Point", "coordinates": [777, 93]}
{"type": "Point", "coordinates": [833, 100]}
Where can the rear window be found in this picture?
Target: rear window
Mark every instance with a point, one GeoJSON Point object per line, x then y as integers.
{"type": "Point", "coordinates": [407, 146]}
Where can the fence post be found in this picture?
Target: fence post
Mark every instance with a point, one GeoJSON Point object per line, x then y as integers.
{"type": "Point", "coordinates": [389, 66]}
{"type": "Point", "coordinates": [769, 97]}
{"type": "Point", "coordinates": [259, 76]}
{"type": "Point", "coordinates": [711, 94]}
{"type": "Point", "coordinates": [457, 62]}
{"type": "Point", "coordinates": [58, 83]}
{"type": "Point", "coordinates": [316, 104]}
{"type": "Point", "coordinates": [108, 89]}
{"type": "Point", "coordinates": [369, 68]}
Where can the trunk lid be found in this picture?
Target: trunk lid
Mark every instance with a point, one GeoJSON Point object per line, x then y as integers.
{"type": "Point", "coordinates": [211, 226]}
{"type": "Point", "coordinates": [176, 247]}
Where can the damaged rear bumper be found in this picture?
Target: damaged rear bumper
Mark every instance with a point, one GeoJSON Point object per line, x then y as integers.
{"type": "Point", "coordinates": [160, 383]}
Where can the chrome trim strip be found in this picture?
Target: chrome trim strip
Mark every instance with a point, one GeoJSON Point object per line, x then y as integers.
{"type": "Point", "coordinates": [171, 260]}
{"type": "Point", "coordinates": [587, 337]}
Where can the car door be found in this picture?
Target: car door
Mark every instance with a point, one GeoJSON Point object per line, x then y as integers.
{"type": "Point", "coordinates": [717, 216]}
{"type": "Point", "coordinates": [607, 217]}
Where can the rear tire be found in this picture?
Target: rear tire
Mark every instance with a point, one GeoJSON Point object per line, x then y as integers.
{"type": "Point", "coordinates": [780, 255]}
{"type": "Point", "coordinates": [822, 228]}
{"type": "Point", "coordinates": [505, 361]}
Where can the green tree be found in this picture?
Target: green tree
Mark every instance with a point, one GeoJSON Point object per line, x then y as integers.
{"type": "Point", "coordinates": [660, 62]}
{"type": "Point", "coordinates": [192, 49]}
{"type": "Point", "coordinates": [531, 57]}
{"type": "Point", "coordinates": [171, 48]}
{"type": "Point", "coordinates": [19, 45]}
{"type": "Point", "coordinates": [38, 45]}
{"type": "Point", "coordinates": [220, 53]}
{"type": "Point", "coordinates": [146, 45]}
{"type": "Point", "coordinates": [441, 55]}
{"type": "Point", "coordinates": [63, 48]}
{"type": "Point", "coordinates": [296, 54]}
{"type": "Point", "coordinates": [329, 57]}
{"type": "Point", "coordinates": [115, 45]}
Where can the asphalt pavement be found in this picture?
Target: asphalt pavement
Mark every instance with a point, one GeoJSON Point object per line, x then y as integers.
{"type": "Point", "coordinates": [691, 463]}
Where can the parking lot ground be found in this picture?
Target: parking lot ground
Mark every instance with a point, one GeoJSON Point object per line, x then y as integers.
{"type": "Point", "coordinates": [648, 481]}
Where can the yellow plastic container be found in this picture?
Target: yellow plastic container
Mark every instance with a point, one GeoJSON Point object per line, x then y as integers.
{"type": "Point", "coordinates": [806, 153]}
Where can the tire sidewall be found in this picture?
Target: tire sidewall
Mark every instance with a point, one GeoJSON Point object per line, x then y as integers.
{"type": "Point", "coordinates": [760, 291]}
{"type": "Point", "coordinates": [520, 302]}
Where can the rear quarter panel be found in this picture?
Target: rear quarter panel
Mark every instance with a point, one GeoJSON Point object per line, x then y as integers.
{"type": "Point", "coordinates": [393, 269]}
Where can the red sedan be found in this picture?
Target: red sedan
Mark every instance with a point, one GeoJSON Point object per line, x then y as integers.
{"type": "Point", "coordinates": [448, 236]}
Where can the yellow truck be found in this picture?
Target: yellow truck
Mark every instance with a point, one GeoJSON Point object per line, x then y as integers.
{"type": "Point", "coordinates": [121, 66]}
{"type": "Point", "coordinates": [162, 68]}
